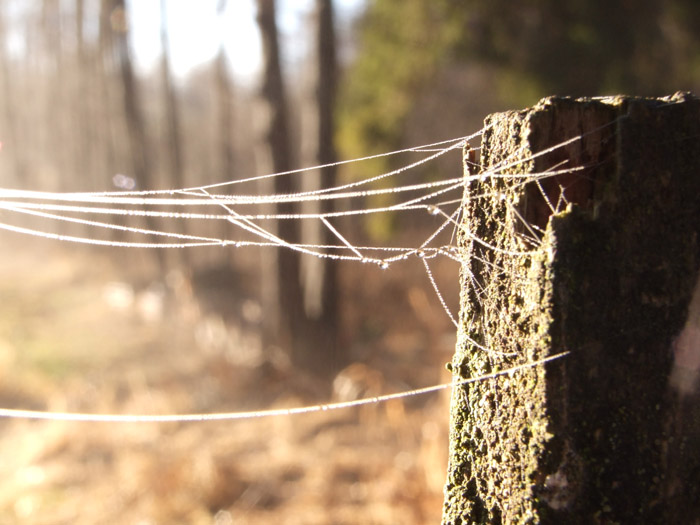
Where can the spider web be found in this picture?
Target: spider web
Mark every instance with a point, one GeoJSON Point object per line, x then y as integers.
{"type": "Point", "coordinates": [102, 213]}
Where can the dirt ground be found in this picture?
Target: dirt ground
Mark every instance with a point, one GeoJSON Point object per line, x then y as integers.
{"type": "Point", "coordinates": [76, 334]}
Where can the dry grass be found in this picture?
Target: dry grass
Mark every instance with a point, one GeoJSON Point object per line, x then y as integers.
{"type": "Point", "coordinates": [67, 343]}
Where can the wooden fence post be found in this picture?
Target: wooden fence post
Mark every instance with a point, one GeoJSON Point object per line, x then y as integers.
{"type": "Point", "coordinates": [609, 433]}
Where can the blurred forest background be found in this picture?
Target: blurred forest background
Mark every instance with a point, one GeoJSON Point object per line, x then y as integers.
{"type": "Point", "coordinates": [227, 329]}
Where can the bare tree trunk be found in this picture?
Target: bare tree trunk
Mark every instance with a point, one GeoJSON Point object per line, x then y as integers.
{"type": "Point", "coordinates": [173, 150]}
{"type": "Point", "coordinates": [319, 275]}
{"type": "Point", "coordinates": [225, 110]}
{"type": "Point", "coordinates": [224, 152]}
{"type": "Point", "coordinates": [225, 120]}
{"type": "Point", "coordinates": [132, 108]}
{"type": "Point", "coordinates": [84, 150]}
{"type": "Point", "coordinates": [107, 139]}
{"type": "Point", "coordinates": [58, 136]}
{"type": "Point", "coordinates": [11, 138]}
{"type": "Point", "coordinates": [285, 296]}
{"type": "Point", "coordinates": [136, 128]}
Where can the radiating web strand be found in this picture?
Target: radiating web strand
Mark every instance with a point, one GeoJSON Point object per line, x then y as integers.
{"type": "Point", "coordinates": [230, 416]}
{"type": "Point", "coordinates": [102, 242]}
{"type": "Point", "coordinates": [454, 143]}
{"type": "Point", "coordinates": [437, 292]}
{"type": "Point", "coordinates": [342, 239]}
{"type": "Point", "coordinates": [110, 226]}
{"type": "Point", "coordinates": [209, 199]}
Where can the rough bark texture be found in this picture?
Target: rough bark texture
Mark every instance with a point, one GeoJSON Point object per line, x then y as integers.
{"type": "Point", "coordinates": [600, 435]}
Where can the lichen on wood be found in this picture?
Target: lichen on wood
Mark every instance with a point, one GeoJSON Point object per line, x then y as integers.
{"type": "Point", "coordinates": [598, 259]}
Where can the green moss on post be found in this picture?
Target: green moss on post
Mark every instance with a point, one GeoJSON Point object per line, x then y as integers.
{"type": "Point", "coordinates": [598, 436]}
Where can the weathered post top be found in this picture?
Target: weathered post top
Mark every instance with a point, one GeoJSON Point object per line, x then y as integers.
{"type": "Point", "coordinates": [580, 234]}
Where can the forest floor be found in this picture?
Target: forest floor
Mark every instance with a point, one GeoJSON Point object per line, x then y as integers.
{"type": "Point", "coordinates": [76, 334]}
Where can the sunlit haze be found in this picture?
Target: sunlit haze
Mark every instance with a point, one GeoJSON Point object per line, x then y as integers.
{"type": "Point", "coordinates": [196, 32]}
